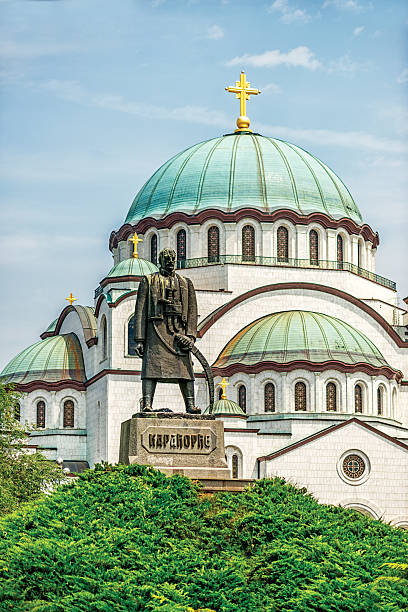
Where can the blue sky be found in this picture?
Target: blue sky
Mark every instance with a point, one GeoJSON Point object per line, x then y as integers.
{"type": "Point", "coordinates": [96, 94]}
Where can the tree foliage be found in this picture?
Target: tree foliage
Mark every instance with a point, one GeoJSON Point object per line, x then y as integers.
{"type": "Point", "coordinates": [129, 538]}
{"type": "Point", "coordinates": [23, 475]}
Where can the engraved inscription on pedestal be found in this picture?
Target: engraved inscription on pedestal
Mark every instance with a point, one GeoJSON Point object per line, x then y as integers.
{"type": "Point", "coordinates": [171, 440]}
{"type": "Point", "coordinates": [182, 444]}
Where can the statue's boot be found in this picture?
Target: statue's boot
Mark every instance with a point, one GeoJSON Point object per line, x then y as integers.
{"type": "Point", "coordinates": [187, 390]}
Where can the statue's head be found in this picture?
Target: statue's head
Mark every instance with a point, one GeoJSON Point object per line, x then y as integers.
{"type": "Point", "coordinates": [167, 261]}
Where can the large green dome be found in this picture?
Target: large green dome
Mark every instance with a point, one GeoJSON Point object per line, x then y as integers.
{"type": "Point", "coordinates": [243, 171]}
{"type": "Point", "coordinates": [52, 360]}
{"type": "Point", "coordinates": [294, 335]}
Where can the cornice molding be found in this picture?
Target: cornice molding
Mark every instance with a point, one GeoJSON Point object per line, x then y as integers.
{"type": "Point", "coordinates": [110, 280]}
{"type": "Point", "coordinates": [48, 386]}
{"type": "Point", "coordinates": [330, 430]}
{"type": "Point", "coordinates": [300, 364]}
{"type": "Point", "coordinates": [233, 217]}
{"type": "Point", "coordinates": [213, 318]}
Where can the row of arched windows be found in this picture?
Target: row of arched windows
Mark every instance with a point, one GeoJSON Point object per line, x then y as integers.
{"type": "Point", "coordinates": [300, 397]}
{"type": "Point", "coordinates": [68, 414]}
{"type": "Point", "coordinates": [248, 245]}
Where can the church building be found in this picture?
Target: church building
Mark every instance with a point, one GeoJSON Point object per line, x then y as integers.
{"type": "Point", "coordinates": [307, 344]}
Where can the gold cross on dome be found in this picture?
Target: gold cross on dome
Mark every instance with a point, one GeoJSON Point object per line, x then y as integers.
{"type": "Point", "coordinates": [243, 90]}
{"type": "Point", "coordinates": [71, 299]}
{"type": "Point", "coordinates": [223, 384]}
{"type": "Point", "coordinates": [135, 239]}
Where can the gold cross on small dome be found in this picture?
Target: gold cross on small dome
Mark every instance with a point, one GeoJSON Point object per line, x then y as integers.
{"type": "Point", "coordinates": [135, 239]}
{"type": "Point", "coordinates": [243, 90]}
{"type": "Point", "coordinates": [223, 384]}
{"type": "Point", "coordinates": [71, 299]}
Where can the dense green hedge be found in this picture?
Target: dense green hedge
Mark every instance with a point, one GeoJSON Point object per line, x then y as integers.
{"type": "Point", "coordinates": [128, 538]}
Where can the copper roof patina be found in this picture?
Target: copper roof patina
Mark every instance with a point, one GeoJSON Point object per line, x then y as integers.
{"type": "Point", "coordinates": [226, 407]}
{"type": "Point", "coordinates": [244, 170]}
{"type": "Point", "coordinates": [134, 266]}
{"type": "Point", "coordinates": [294, 335]}
{"type": "Point", "coordinates": [52, 360]}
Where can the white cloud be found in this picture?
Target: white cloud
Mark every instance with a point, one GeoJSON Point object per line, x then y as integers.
{"type": "Point", "coordinates": [403, 77]}
{"type": "Point", "coordinates": [300, 56]}
{"type": "Point", "coordinates": [12, 50]}
{"type": "Point", "coordinates": [345, 64]}
{"type": "Point", "coordinates": [345, 5]}
{"type": "Point", "coordinates": [215, 32]}
{"type": "Point", "coordinates": [357, 31]}
{"type": "Point", "coordinates": [272, 87]}
{"type": "Point", "coordinates": [73, 91]}
{"type": "Point", "coordinates": [288, 13]}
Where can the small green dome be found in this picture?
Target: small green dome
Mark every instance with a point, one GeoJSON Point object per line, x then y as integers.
{"type": "Point", "coordinates": [243, 171]}
{"type": "Point", "coordinates": [283, 337]}
{"type": "Point", "coordinates": [225, 406]}
{"type": "Point", "coordinates": [135, 266]}
{"type": "Point", "coordinates": [50, 360]}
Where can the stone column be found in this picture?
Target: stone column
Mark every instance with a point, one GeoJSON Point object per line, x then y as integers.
{"type": "Point", "coordinates": [302, 250]}
{"type": "Point", "coordinates": [317, 393]}
{"type": "Point", "coordinates": [331, 245]}
{"type": "Point", "coordinates": [283, 395]}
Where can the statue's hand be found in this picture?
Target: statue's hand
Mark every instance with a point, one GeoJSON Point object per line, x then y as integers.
{"type": "Point", "coordinates": [139, 349]}
{"type": "Point", "coordinates": [185, 342]}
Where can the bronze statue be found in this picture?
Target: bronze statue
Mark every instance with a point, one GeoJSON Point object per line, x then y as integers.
{"type": "Point", "coordinates": [165, 331]}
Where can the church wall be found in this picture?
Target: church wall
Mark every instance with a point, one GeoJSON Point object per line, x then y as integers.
{"type": "Point", "coordinates": [97, 421]}
{"type": "Point", "coordinates": [315, 466]}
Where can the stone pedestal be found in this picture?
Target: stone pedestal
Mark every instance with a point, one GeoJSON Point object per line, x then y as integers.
{"type": "Point", "coordinates": [188, 444]}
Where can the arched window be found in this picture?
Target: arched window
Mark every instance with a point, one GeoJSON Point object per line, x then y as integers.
{"type": "Point", "coordinates": [359, 254]}
{"type": "Point", "coordinates": [314, 248]}
{"type": "Point", "coordinates": [283, 243]}
{"type": "Point", "coordinates": [41, 414]}
{"type": "Point", "coordinates": [17, 412]}
{"type": "Point", "coordinates": [153, 249]}
{"type": "Point", "coordinates": [248, 243]}
{"type": "Point", "coordinates": [242, 397]}
{"type": "Point", "coordinates": [68, 413]}
{"type": "Point", "coordinates": [104, 337]}
{"type": "Point", "coordinates": [380, 400]}
{"type": "Point", "coordinates": [269, 397]}
{"type": "Point", "coordinates": [131, 336]}
{"type": "Point", "coordinates": [358, 398]}
{"type": "Point", "coordinates": [181, 247]}
{"type": "Point", "coordinates": [300, 396]}
{"type": "Point", "coordinates": [130, 247]}
{"type": "Point", "coordinates": [219, 393]}
{"type": "Point", "coordinates": [213, 239]}
{"type": "Point", "coordinates": [235, 462]}
{"type": "Point", "coordinates": [340, 252]}
{"type": "Point", "coordinates": [331, 397]}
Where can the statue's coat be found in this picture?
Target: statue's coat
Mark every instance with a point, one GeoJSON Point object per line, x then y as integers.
{"type": "Point", "coordinates": [162, 359]}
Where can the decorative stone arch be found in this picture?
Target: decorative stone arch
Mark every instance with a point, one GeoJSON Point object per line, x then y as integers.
{"type": "Point", "coordinates": [148, 243]}
{"type": "Point", "coordinates": [394, 399]}
{"type": "Point", "coordinates": [103, 335]}
{"type": "Point", "coordinates": [204, 236]}
{"type": "Point", "coordinates": [338, 385]}
{"type": "Point", "coordinates": [361, 253]}
{"type": "Point", "coordinates": [400, 521]}
{"type": "Point", "coordinates": [65, 412]}
{"type": "Point", "coordinates": [234, 458]}
{"type": "Point", "coordinates": [368, 508]}
{"type": "Point", "coordinates": [174, 232]}
{"type": "Point", "coordinates": [292, 237]}
{"type": "Point", "coordinates": [35, 409]}
{"type": "Point", "coordinates": [322, 236]}
{"type": "Point", "coordinates": [242, 380]}
{"type": "Point", "coordinates": [129, 343]}
{"type": "Point", "coordinates": [346, 245]}
{"type": "Point", "coordinates": [258, 235]}
{"type": "Point", "coordinates": [381, 400]}
{"type": "Point", "coordinates": [261, 380]}
{"type": "Point", "coordinates": [301, 395]}
{"type": "Point", "coordinates": [364, 396]}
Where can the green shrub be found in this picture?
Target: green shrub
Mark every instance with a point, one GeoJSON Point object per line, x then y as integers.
{"type": "Point", "coordinates": [129, 538]}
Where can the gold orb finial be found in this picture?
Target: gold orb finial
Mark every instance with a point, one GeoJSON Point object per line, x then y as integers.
{"type": "Point", "coordinates": [243, 90]}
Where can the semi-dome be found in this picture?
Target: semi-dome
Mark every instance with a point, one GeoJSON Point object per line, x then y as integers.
{"type": "Point", "coordinates": [225, 407]}
{"type": "Point", "coordinates": [51, 360]}
{"type": "Point", "coordinates": [294, 335]}
{"type": "Point", "coordinates": [244, 170]}
{"type": "Point", "coordinates": [135, 266]}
